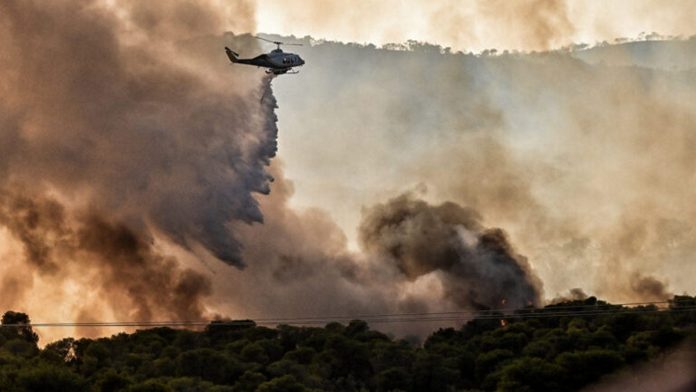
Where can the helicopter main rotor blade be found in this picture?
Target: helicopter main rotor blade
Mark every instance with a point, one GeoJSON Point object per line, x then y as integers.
{"type": "Point", "coordinates": [268, 40]}
{"type": "Point", "coordinates": [264, 39]}
{"type": "Point", "coordinates": [276, 42]}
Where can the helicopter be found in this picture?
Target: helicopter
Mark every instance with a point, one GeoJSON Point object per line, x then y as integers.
{"type": "Point", "coordinates": [277, 61]}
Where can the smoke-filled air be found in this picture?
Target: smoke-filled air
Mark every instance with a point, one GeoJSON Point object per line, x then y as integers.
{"type": "Point", "coordinates": [582, 156]}
{"type": "Point", "coordinates": [139, 178]}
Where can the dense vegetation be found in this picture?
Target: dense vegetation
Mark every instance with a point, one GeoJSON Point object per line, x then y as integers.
{"type": "Point", "coordinates": [560, 347]}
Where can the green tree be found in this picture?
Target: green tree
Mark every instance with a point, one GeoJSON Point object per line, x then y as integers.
{"type": "Point", "coordinates": [205, 363]}
{"type": "Point", "coordinates": [111, 381]}
{"type": "Point", "coordinates": [150, 386]}
{"type": "Point", "coordinates": [285, 383]}
{"type": "Point", "coordinates": [48, 378]}
{"type": "Point", "coordinates": [531, 374]}
{"type": "Point", "coordinates": [489, 361]}
{"type": "Point", "coordinates": [587, 366]}
{"type": "Point", "coordinates": [249, 381]}
{"type": "Point", "coordinates": [63, 348]}
{"type": "Point", "coordinates": [394, 379]}
{"type": "Point", "coordinates": [16, 324]}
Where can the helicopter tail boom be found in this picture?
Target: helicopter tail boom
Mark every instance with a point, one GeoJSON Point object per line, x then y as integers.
{"type": "Point", "coordinates": [234, 56]}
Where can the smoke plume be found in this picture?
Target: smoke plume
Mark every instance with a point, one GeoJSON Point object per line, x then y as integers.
{"type": "Point", "coordinates": [479, 267]}
{"type": "Point", "coordinates": [414, 257]}
{"type": "Point", "coordinates": [649, 288]}
{"type": "Point", "coordinates": [101, 118]}
{"type": "Point", "coordinates": [118, 261]}
{"type": "Point", "coordinates": [121, 128]}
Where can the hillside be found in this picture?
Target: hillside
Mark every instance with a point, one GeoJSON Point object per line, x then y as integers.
{"type": "Point", "coordinates": [664, 55]}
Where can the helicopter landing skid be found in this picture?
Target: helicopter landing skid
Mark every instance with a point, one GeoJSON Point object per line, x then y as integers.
{"type": "Point", "coordinates": [271, 72]}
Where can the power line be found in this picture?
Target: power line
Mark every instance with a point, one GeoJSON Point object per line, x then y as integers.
{"type": "Point", "coordinates": [458, 316]}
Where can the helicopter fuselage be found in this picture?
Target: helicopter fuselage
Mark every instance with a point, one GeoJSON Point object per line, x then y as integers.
{"type": "Point", "coordinates": [277, 61]}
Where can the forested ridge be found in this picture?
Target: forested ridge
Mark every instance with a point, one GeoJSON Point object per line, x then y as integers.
{"type": "Point", "coordinates": [561, 347]}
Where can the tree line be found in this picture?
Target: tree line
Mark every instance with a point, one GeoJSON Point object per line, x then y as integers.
{"type": "Point", "coordinates": [561, 347]}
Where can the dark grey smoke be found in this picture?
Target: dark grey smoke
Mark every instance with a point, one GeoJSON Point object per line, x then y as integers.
{"type": "Point", "coordinates": [414, 257]}
{"type": "Point", "coordinates": [649, 288]}
{"type": "Point", "coordinates": [38, 224]}
{"type": "Point", "coordinates": [119, 128]}
{"type": "Point", "coordinates": [130, 265]}
{"type": "Point", "coordinates": [127, 127]}
{"type": "Point", "coordinates": [141, 282]}
{"type": "Point", "coordinates": [576, 294]}
{"type": "Point", "coordinates": [478, 267]}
